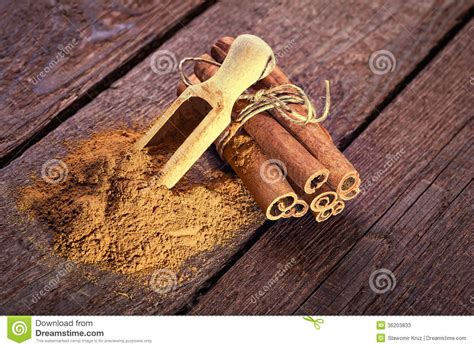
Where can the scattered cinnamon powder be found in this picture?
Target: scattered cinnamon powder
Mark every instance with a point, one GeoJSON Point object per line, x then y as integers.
{"type": "Point", "coordinates": [246, 148]}
{"type": "Point", "coordinates": [109, 211]}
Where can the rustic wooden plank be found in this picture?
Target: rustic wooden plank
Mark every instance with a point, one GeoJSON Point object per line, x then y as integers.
{"type": "Point", "coordinates": [421, 151]}
{"type": "Point", "coordinates": [421, 242]}
{"type": "Point", "coordinates": [326, 40]}
{"type": "Point", "coordinates": [54, 54]}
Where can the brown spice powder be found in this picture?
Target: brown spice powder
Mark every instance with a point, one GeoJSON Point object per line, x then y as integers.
{"type": "Point", "coordinates": [110, 212]}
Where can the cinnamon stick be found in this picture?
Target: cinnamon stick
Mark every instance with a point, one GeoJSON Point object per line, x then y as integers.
{"type": "Point", "coordinates": [351, 194]}
{"type": "Point", "coordinates": [339, 206]}
{"type": "Point", "coordinates": [246, 159]}
{"type": "Point", "coordinates": [324, 203]}
{"type": "Point", "coordinates": [323, 215]}
{"type": "Point", "coordinates": [321, 200]}
{"type": "Point", "coordinates": [300, 208]}
{"type": "Point", "coordinates": [343, 177]}
{"type": "Point", "coordinates": [276, 142]}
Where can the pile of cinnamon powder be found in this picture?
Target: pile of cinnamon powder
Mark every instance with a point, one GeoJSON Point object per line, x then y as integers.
{"type": "Point", "coordinates": [110, 212]}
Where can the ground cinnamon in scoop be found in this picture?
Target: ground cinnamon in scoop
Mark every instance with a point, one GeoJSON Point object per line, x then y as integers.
{"type": "Point", "coordinates": [110, 212]}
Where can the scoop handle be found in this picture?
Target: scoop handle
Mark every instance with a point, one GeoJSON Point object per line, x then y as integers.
{"type": "Point", "coordinates": [249, 60]}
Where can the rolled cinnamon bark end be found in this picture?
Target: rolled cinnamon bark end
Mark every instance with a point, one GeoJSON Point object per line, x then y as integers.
{"type": "Point", "coordinates": [352, 192]}
{"type": "Point", "coordinates": [298, 210]}
{"type": "Point", "coordinates": [307, 172]}
{"type": "Point", "coordinates": [323, 215]}
{"type": "Point", "coordinates": [338, 207]}
{"type": "Point", "coordinates": [343, 178]}
{"type": "Point", "coordinates": [282, 207]}
{"type": "Point", "coordinates": [348, 182]}
{"type": "Point", "coordinates": [323, 199]}
{"type": "Point", "coordinates": [316, 181]}
{"type": "Point", "coordinates": [247, 160]}
{"type": "Point", "coordinates": [347, 196]}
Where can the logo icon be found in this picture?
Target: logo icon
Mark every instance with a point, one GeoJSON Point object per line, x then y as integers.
{"type": "Point", "coordinates": [380, 325]}
{"type": "Point", "coordinates": [163, 62]}
{"type": "Point", "coordinates": [382, 62]}
{"type": "Point", "coordinates": [273, 171]}
{"type": "Point", "coordinates": [380, 338]}
{"type": "Point", "coordinates": [382, 280]}
{"type": "Point", "coordinates": [19, 328]}
{"type": "Point", "coordinates": [316, 322]}
{"type": "Point", "coordinates": [54, 171]}
{"type": "Point", "coordinates": [163, 281]}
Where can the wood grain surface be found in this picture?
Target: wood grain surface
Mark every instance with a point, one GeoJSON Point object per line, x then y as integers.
{"type": "Point", "coordinates": [56, 53]}
{"type": "Point", "coordinates": [313, 42]}
{"type": "Point", "coordinates": [416, 161]}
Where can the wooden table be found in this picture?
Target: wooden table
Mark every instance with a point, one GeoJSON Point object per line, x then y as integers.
{"type": "Point", "coordinates": [407, 127]}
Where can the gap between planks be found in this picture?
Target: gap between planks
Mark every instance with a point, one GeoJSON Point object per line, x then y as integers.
{"type": "Point", "coordinates": [398, 89]}
{"type": "Point", "coordinates": [105, 83]}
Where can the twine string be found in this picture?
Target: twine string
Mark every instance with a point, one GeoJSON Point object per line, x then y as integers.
{"type": "Point", "coordinates": [184, 78]}
{"type": "Point", "coordinates": [275, 100]}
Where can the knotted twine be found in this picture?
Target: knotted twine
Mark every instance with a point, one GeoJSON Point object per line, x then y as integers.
{"type": "Point", "coordinates": [275, 100]}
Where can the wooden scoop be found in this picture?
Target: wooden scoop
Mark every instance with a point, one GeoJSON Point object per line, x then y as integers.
{"type": "Point", "coordinates": [249, 60]}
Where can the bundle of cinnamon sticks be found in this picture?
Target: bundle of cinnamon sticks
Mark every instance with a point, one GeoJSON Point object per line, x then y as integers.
{"type": "Point", "coordinates": [288, 168]}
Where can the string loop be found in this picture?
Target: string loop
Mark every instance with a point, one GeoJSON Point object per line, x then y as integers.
{"type": "Point", "coordinates": [275, 100]}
